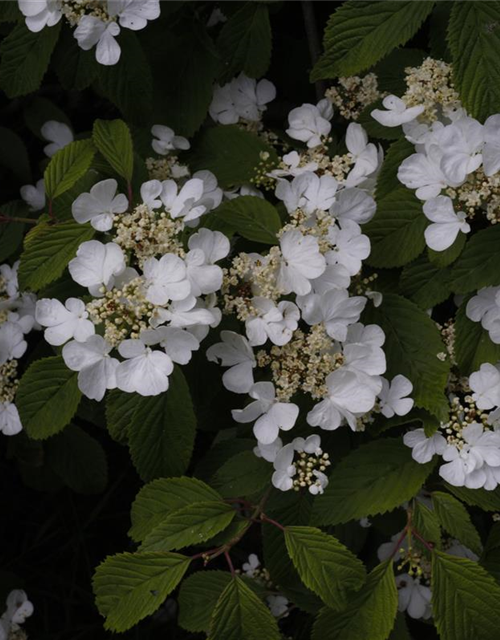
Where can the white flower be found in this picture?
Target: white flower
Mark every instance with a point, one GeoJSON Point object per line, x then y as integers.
{"type": "Point", "coordinates": [446, 224]}
{"type": "Point", "coordinates": [214, 244]}
{"type": "Point", "coordinates": [348, 398]}
{"type": "Point", "coordinates": [165, 140]}
{"type": "Point", "coordinates": [485, 384]}
{"type": "Point", "coordinates": [336, 309]}
{"type": "Point", "coordinates": [58, 134]}
{"type": "Point", "coordinates": [177, 343]}
{"type": "Point", "coordinates": [100, 205]}
{"type": "Point", "coordinates": [251, 566]}
{"type": "Point", "coordinates": [270, 415]}
{"type": "Point", "coordinates": [241, 98]}
{"type": "Point", "coordinates": [393, 398]}
{"type": "Point", "coordinates": [134, 14]}
{"type": "Point", "coordinates": [353, 204]}
{"type": "Point", "coordinates": [9, 278]}
{"type": "Point", "coordinates": [235, 352]}
{"type": "Point", "coordinates": [244, 190]}
{"type": "Point", "coordinates": [64, 321]}
{"type": "Point", "coordinates": [10, 423]}
{"type": "Point", "coordinates": [40, 14]}
{"type": "Point", "coordinates": [310, 123]}
{"type": "Point", "coordinates": [302, 262]}
{"type": "Point", "coordinates": [268, 451]}
{"type": "Point", "coordinates": [97, 369]}
{"type": "Point", "coordinates": [166, 279]}
{"type": "Point", "coordinates": [278, 605]}
{"type": "Point", "coordinates": [145, 371]}
{"type": "Point", "coordinates": [284, 469]}
{"type": "Point", "coordinates": [413, 597]}
{"type": "Point", "coordinates": [491, 149]}
{"type": "Point", "coordinates": [18, 609]}
{"type": "Point", "coordinates": [189, 312]}
{"type": "Point", "coordinates": [351, 247]}
{"type": "Point", "coordinates": [150, 193]}
{"type": "Point", "coordinates": [308, 192]}
{"type": "Point", "coordinates": [222, 108]}
{"type": "Point", "coordinates": [335, 276]}
{"type": "Point", "coordinates": [485, 308]}
{"type": "Point", "coordinates": [212, 194]}
{"type": "Point", "coordinates": [276, 322]}
{"type": "Point", "coordinates": [34, 196]}
{"type": "Point", "coordinates": [292, 161]}
{"type": "Point", "coordinates": [364, 153]}
{"type": "Point", "coordinates": [388, 549]}
{"type": "Point", "coordinates": [397, 112]}
{"type": "Point", "coordinates": [12, 342]}
{"type": "Point", "coordinates": [370, 335]}
{"type": "Point", "coordinates": [183, 203]}
{"type": "Point", "coordinates": [92, 31]}
{"type": "Point", "coordinates": [461, 142]}
{"type": "Point", "coordinates": [97, 264]}
{"type": "Point", "coordinates": [423, 173]}
{"type": "Point", "coordinates": [423, 447]}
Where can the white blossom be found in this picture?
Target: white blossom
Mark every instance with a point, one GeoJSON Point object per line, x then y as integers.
{"type": "Point", "coordinates": [413, 597]}
{"type": "Point", "coordinates": [485, 385]}
{"type": "Point", "coordinates": [308, 192]}
{"type": "Point", "coordinates": [18, 609]}
{"type": "Point", "coordinates": [144, 371]}
{"type": "Point", "coordinates": [96, 265]}
{"type": "Point", "coordinates": [178, 343]}
{"type": "Point", "coordinates": [63, 321]}
{"type": "Point", "coordinates": [100, 205]}
{"type": "Point", "coordinates": [97, 369]}
{"type": "Point", "coordinates": [396, 113]}
{"type": "Point", "coordinates": [351, 247]}
{"type": "Point", "coordinates": [485, 308]}
{"type": "Point", "coordinates": [302, 262]}
{"type": "Point", "coordinates": [40, 14]}
{"type": "Point", "coordinates": [10, 422]}
{"type": "Point", "coordinates": [364, 153]}
{"type": "Point", "coordinates": [166, 279]}
{"type": "Point", "coordinates": [235, 352]}
{"type": "Point", "coordinates": [243, 97]}
{"type": "Point", "coordinates": [276, 322]}
{"type": "Point", "coordinates": [12, 342]}
{"type": "Point", "coordinates": [423, 447]}
{"type": "Point", "coordinates": [165, 140]}
{"type": "Point", "coordinates": [446, 224]}
{"type": "Point", "coordinates": [393, 398]}
{"type": "Point", "coordinates": [58, 134]}
{"type": "Point", "coordinates": [34, 196]}
{"type": "Point", "coordinates": [310, 123]}
{"type": "Point", "coordinates": [134, 14]}
{"type": "Point", "coordinates": [183, 203]}
{"type": "Point", "coordinates": [491, 149]}
{"type": "Point", "coordinates": [353, 204]}
{"type": "Point", "coordinates": [93, 32]}
{"type": "Point", "coordinates": [278, 605]}
{"type": "Point", "coordinates": [335, 309]}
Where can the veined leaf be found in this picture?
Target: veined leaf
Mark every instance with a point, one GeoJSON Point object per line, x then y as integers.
{"type": "Point", "coordinates": [242, 475]}
{"type": "Point", "coordinates": [67, 166]}
{"type": "Point", "coordinates": [112, 138]}
{"type": "Point", "coordinates": [477, 266]}
{"type": "Point", "coordinates": [456, 521]}
{"type": "Point", "coordinates": [473, 345]}
{"type": "Point", "coordinates": [251, 217]}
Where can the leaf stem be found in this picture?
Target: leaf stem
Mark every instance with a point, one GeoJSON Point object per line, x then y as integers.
{"type": "Point", "coordinates": [16, 219]}
{"type": "Point", "coordinates": [229, 562]}
{"type": "Point", "coordinates": [264, 518]}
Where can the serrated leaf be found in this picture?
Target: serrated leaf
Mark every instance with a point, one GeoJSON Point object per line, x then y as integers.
{"type": "Point", "coordinates": [426, 523]}
{"type": "Point", "coordinates": [79, 460]}
{"type": "Point", "coordinates": [456, 521]}
{"type": "Point", "coordinates": [325, 565]}
{"type": "Point", "coordinates": [67, 166]}
{"type": "Point", "coordinates": [486, 500]}
{"type": "Point", "coordinates": [245, 42]}
{"type": "Point", "coordinates": [242, 475]}
{"type": "Point", "coordinates": [120, 407]}
{"type": "Point", "coordinates": [131, 586]}
{"type": "Point", "coordinates": [368, 481]}
{"type": "Point", "coordinates": [251, 217]}
{"type": "Point", "coordinates": [231, 154]}
{"type": "Point", "coordinates": [464, 599]}
{"type": "Point", "coordinates": [240, 615]}
{"type": "Point", "coordinates": [391, 75]}
{"type": "Point", "coordinates": [75, 68]}
{"type": "Point", "coordinates": [11, 233]}
{"type": "Point", "coordinates": [411, 347]}
{"type": "Point", "coordinates": [25, 57]}
{"type": "Point", "coordinates": [61, 206]}
{"type": "Point", "coordinates": [162, 497]}
{"type": "Point", "coordinates": [359, 34]}
{"type": "Point", "coordinates": [474, 40]}
{"type": "Point", "coordinates": [424, 283]}
{"type": "Point", "coordinates": [47, 251]}
{"type": "Point", "coordinates": [473, 345]}
{"type": "Point", "coordinates": [477, 266]}
{"type": "Point", "coordinates": [112, 138]}
{"type": "Point", "coordinates": [162, 431]}
{"type": "Point", "coordinates": [490, 559]}
{"type": "Point", "coordinates": [47, 397]}
{"type": "Point", "coordinates": [198, 596]}
{"type": "Point", "coordinates": [387, 179]}
{"type": "Point", "coordinates": [448, 256]}
{"type": "Point", "coordinates": [195, 523]}
{"type": "Point", "coordinates": [370, 614]}
{"type": "Point", "coordinates": [397, 230]}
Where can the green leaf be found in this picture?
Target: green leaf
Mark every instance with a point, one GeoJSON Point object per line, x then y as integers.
{"type": "Point", "coordinates": [245, 42]}
{"type": "Point", "coordinates": [232, 154]}
{"type": "Point", "coordinates": [370, 614]}
{"type": "Point", "coordinates": [490, 559]}
{"type": "Point", "coordinates": [474, 41]}
{"type": "Point", "coordinates": [464, 599]}
{"type": "Point", "coordinates": [38, 111]}
{"type": "Point", "coordinates": [387, 179]}
{"type": "Point", "coordinates": [424, 283]}
{"type": "Point", "coordinates": [160, 498]}
{"type": "Point", "coordinates": [120, 406]}
{"type": "Point", "coordinates": [368, 481]}
{"type": "Point", "coordinates": [162, 431]}
{"type": "Point", "coordinates": [47, 251]}
{"type": "Point", "coordinates": [456, 521]}
{"type": "Point", "coordinates": [426, 522]}
{"type": "Point", "coordinates": [61, 206]}
{"type": "Point", "coordinates": [242, 475]}
{"type": "Point", "coordinates": [131, 586]}
{"type": "Point", "coordinates": [391, 75]}
{"type": "Point", "coordinates": [325, 565]}
{"type": "Point", "coordinates": [397, 230]}
{"type": "Point", "coordinates": [75, 68]}
{"type": "Point", "coordinates": [448, 256]}
{"type": "Point", "coordinates": [198, 596]}
{"type": "Point", "coordinates": [11, 233]}
{"type": "Point", "coordinates": [486, 500]}
{"type": "Point", "coordinates": [240, 615]}
{"type": "Point", "coordinates": [67, 166]}
{"type": "Point", "coordinates": [112, 138]}
{"type": "Point", "coordinates": [473, 345]}
{"type": "Point", "coordinates": [411, 347]}
{"type": "Point", "coordinates": [251, 217]}
{"type": "Point", "coordinates": [477, 267]}
{"type": "Point", "coordinates": [47, 397]}
{"type": "Point", "coordinates": [79, 460]}
{"type": "Point", "coordinates": [24, 59]}
{"type": "Point", "coordinates": [359, 34]}
{"type": "Point", "coordinates": [190, 525]}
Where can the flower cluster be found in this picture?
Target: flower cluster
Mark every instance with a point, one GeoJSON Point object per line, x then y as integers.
{"type": "Point", "coordinates": [301, 335]}
{"type": "Point", "coordinates": [485, 308]}
{"type": "Point", "coordinates": [97, 22]}
{"type": "Point", "coordinates": [152, 293]}
{"type": "Point", "coordinates": [18, 609]}
{"type": "Point", "coordinates": [352, 94]}
{"type": "Point", "coordinates": [455, 170]}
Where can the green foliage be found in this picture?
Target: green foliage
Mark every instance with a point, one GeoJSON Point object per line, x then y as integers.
{"type": "Point", "coordinates": [198, 596]}
{"type": "Point", "coordinates": [477, 266]}
{"type": "Point", "coordinates": [47, 398]}
{"type": "Point", "coordinates": [455, 520]}
{"type": "Point", "coordinates": [387, 179]}
{"type": "Point", "coordinates": [240, 615]}
{"type": "Point", "coordinates": [426, 523]}
{"type": "Point", "coordinates": [48, 249]}
{"type": "Point", "coordinates": [474, 42]}
{"type": "Point", "coordinates": [425, 283]}
{"type": "Point", "coordinates": [365, 482]}
{"type": "Point", "coordinates": [11, 233]}
{"type": "Point", "coordinates": [131, 586]}
{"type": "Point", "coordinates": [25, 57]}
{"type": "Point", "coordinates": [448, 256]}
{"type": "Point", "coordinates": [251, 217]}
{"type": "Point", "coordinates": [359, 34]}
{"type": "Point", "coordinates": [390, 72]}
{"type": "Point", "coordinates": [76, 69]}
{"type": "Point", "coordinates": [486, 500]}
{"type": "Point", "coordinates": [67, 166]}
{"type": "Point", "coordinates": [162, 431]}
{"type": "Point", "coordinates": [473, 345]}
{"type": "Point", "coordinates": [464, 599]}
{"type": "Point", "coordinates": [325, 566]}
{"type": "Point", "coordinates": [242, 475]}
{"type": "Point", "coordinates": [112, 138]}
{"type": "Point", "coordinates": [370, 613]}
{"type": "Point", "coordinates": [120, 407]}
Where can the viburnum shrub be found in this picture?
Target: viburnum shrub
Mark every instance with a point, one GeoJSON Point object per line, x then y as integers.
{"type": "Point", "coordinates": [256, 320]}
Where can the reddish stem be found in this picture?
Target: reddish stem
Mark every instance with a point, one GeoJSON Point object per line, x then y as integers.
{"type": "Point", "coordinates": [398, 543]}
{"type": "Point", "coordinates": [130, 193]}
{"type": "Point", "coordinates": [16, 219]}
{"type": "Point", "coordinates": [264, 518]}
{"type": "Point", "coordinates": [229, 562]}
{"type": "Point", "coordinates": [427, 545]}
